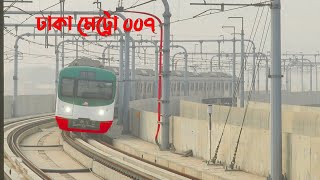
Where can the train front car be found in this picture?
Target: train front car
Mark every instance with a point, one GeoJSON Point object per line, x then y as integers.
{"type": "Point", "coordinates": [85, 100]}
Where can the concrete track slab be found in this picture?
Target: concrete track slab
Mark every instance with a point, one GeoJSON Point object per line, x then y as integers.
{"type": "Point", "coordinates": [41, 139]}
{"type": "Point", "coordinates": [75, 176]}
{"type": "Point", "coordinates": [50, 158]}
{"type": "Point", "coordinates": [189, 165]}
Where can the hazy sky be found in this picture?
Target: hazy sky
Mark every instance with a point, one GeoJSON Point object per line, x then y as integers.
{"type": "Point", "coordinates": [300, 26]}
{"type": "Point", "coordinates": [300, 22]}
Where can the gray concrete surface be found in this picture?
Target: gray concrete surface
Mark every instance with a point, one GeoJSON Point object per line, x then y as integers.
{"type": "Point", "coordinates": [51, 158]}
{"type": "Point", "coordinates": [30, 105]}
{"type": "Point", "coordinates": [151, 105]}
{"type": "Point", "coordinates": [189, 131]}
{"type": "Point", "coordinates": [188, 165]}
{"type": "Point", "coordinates": [293, 98]}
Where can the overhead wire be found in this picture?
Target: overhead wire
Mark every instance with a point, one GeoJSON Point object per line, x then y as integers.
{"type": "Point", "coordinates": [212, 13]}
{"type": "Point", "coordinates": [138, 5]}
{"type": "Point", "coordinates": [31, 15]}
{"type": "Point", "coordinates": [264, 38]}
{"type": "Point", "coordinates": [209, 14]}
{"type": "Point", "coordinates": [233, 95]}
{"type": "Point", "coordinates": [7, 8]}
{"type": "Point", "coordinates": [137, 1]}
{"type": "Point", "coordinates": [249, 46]}
{"type": "Point", "coordinates": [255, 20]}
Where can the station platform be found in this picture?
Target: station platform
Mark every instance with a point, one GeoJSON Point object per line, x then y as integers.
{"type": "Point", "coordinates": [189, 165]}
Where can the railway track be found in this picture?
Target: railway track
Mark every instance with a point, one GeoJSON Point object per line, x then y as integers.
{"type": "Point", "coordinates": [115, 161]}
{"type": "Point", "coordinates": [120, 161]}
{"type": "Point", "coordinates": [16, 129]}
{"type": "Point", "coordinates": [108, 145]}
{"type": "Point", "coordinates": [120, 168]}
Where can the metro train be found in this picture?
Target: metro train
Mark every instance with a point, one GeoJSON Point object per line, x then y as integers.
{"type": "Point", "coordinates": [87, 91]}
{"type": "Point", "coordinates": [86, 97]}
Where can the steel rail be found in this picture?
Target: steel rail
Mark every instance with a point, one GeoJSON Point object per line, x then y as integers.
{"type": "Point", "coordinates": [13, 143]}
{"type": "Point", "coordinates": [96, 156]}
{"type": "Point", "coordinates": [146, 161]}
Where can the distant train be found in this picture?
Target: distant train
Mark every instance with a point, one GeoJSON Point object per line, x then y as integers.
{"type": "Point", "coordinates": [210, 84]}
{"type": "Point", "coordinates": [86, 97]}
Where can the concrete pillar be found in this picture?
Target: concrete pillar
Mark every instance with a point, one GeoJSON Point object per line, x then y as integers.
{"type": "Point", "coordinates": [267, 76]}
{"type": "Point", "coordinates": [109, 60]}
{"type": "Point", "coordinates": [211, 63]}
{"type": "Point", "coordinates": [302, 72]}
{"type": "Point", "coordinates": [166, 79]}
{"type": "Point", "coordinates": [186, 82]}
{"type": "Point", "coordinates": [234, 98]}
{"type": "Point", "coordinates": [275, 95]}
{"type": "Point", "coordinates": [15, 75]}
{"type": "Point", "coordinates": [62, 56]}
{"type": "Point", "coordinates": [310, 77]}
{"type": "Point", "coordinates": [77, 48]}
{"type": "Point", "coordinates": [57, 61]}
{"type": "Point", "coordinates": [156, 69]}
{"type": "Point", "coordinates": [316, 68]}
{"type": "Point", "coordinates": [258, 79]}
{"type": "Point", "coordinates": [133, 70]}
{"type": "Point", "coordinates": [219, 55]}
{"type": "Point", "coordinates": [126, 95]}
{"type": "Point", "coordinates": [253, 70]}
{"type": "Point", "coordinates": [121, 92]}
{"type": "Point", "coordinates": [242, 69]}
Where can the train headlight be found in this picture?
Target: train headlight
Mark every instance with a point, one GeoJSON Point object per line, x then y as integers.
{"type": "Point", "coordinates": [67, 109]}
{"type": "Point", "coordinates": [101, 112]}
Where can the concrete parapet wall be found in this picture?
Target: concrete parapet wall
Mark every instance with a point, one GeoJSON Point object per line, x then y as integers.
{"type": "Point", "coordinates": [143, 124]}
{"type": "Point", "coordinates": [301, 136]}
{"type": "Point", "coordinates": [30, 105]}
{"type": "Point", "coordinates": [293, 98]}
{"type": "Point", "coordinates": [151, 105]}
{"type": "Point", "coordinates": [7, 106]}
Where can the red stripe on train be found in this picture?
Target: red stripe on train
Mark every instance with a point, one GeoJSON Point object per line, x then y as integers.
{"type": "Point", "coordinates": [63, 125]}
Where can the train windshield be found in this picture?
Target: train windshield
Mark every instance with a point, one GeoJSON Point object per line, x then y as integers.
{"type": "Point", "coordinates": [90, 89]}
{"type": "Point", "coordinates": [67, 87]}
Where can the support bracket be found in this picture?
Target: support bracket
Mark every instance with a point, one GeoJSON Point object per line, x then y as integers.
{"type": "Point", "coordinates": [212, 163]}
{"type": "Point", "coordinates": [165, 73]}
{"type": "Point", "coordinates": [275, 76]}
